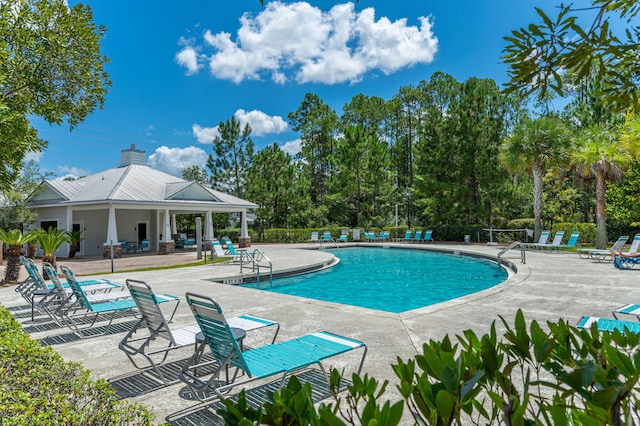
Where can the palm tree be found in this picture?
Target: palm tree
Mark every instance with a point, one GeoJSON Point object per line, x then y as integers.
{"type": "Point", "coordinates": [51, 241]}
{"type": "Point", "coordinates": [600, 154]}
{"type": "Point", "coordinates": [535, 146]}
{"type": "Point", "coordinates": [74, 242]}
{"type": "Point", "coordinates": [15, 239]}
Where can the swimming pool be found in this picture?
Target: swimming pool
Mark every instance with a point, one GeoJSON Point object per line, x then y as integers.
{"type": "Point", "coordinates": [391, 280]}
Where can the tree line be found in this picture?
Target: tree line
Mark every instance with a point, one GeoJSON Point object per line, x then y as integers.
{"type": "Point", "coordinates": [443, 153]}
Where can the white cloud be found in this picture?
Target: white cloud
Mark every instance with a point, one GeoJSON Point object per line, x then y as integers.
{"type": "Point", "coordinates": [299, 41]}
{"type": "Point", "coordinates": [205, 134]}
{"type": "Point", "coordinates": [175, 160]}
{"type": "Point", "coordinates": [261, 124]}
{"type": "Point", "coordinates": [188, 58]}
{"type": "Point", "coordinates": [73, 172]}
{"type": "Point", "coordinates": [35, 156]}
{"type": "Point", "coordinates": [292, 147]}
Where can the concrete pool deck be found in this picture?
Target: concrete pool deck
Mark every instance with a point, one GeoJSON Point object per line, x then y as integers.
{"type": "Point", "coordinates": [546, 288]}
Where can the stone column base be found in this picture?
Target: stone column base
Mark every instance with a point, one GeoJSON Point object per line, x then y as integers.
{"type": "Point", "coordinates": [167, 247]}
{"type": "Point", "coordinates": [244, 242]}
{"type": "Point", "coordinates": [106, 251]}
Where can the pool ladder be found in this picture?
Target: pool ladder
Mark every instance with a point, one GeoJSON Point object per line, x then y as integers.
{"type": "Point", "coordinates": [523, 257]}
{"type": "Point", "coordinates": [255, 258]}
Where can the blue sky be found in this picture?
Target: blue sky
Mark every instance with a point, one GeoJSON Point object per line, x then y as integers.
{"type": "Point", "coordinates": [179, 68]}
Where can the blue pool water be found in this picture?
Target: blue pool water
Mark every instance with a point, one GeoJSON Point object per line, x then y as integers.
{"type": "Point", "coordinates": [392, 280]}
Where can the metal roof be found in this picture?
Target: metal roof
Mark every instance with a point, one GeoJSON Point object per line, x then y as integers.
{"type": "Point", "coordinates": [132, 184]}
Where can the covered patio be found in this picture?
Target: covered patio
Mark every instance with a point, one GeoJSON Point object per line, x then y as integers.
{"type": "Point", "coordinates": [132, 206]}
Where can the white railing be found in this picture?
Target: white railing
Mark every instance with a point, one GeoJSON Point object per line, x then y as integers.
{"type": "Point", "coordinates": [523, 257]}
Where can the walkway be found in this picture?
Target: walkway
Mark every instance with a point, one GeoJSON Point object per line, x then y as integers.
{"type": "Point", "coordinates": [548, 287]}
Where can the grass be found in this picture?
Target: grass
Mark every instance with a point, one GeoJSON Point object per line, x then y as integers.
{"type": "Point", "coordinates": [157, 268]}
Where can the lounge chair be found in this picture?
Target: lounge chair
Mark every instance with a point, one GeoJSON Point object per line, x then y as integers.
{"type": "Point", "coordinates": [232, 250]}
{"type": "Point", "coordinates": [573, 240]}
{"type": "Point", "coordinates": [542, 241]}
{"type": "Point", "coordinates": [370, 236]}
{"type": "Point", "coordinates": [557, 240]}
{"type": "Point", "coordinates": [608, 324]}
{"type": "Point", "coordinates": [635, 244]}
{"type": "Point", "coordinates": [628, 309]}
{"type": "Point", "coordinates": [383, 236]}
{"type": "Point", "coordinates": [605, 255]}
{"type": "Point", "coordinates": [279, 359]}
{"type": "Point", "coordinates": [327, 238]}
{"type": "Point", "coordinates": [191, 243]}
{"type": "Point", "coordinates": [625, 262]}
{"type": "Point", "coordinates": [39, 288]}
{"type": "Point", "coordinates": [89, 312]}
{"type": "Point", "coordinates": [343, 238]}
{"type": "Point", "coordinates": [427, 238]}
{"type": "Point", "coordinates": [219, 252]}
{"type": "Point", "coordinates": [89, 286]}
{"type": "Point", "coordinates": [407, 236]}
{"type": "Point", "coordinates": [92, 311]}
{"type": "Point", "coordinates": [153, 339]}
{"type": "Point", "coordinates": [314, 237]}
{"type": "Point", "coordinates": [92, 297]}
{"type": "Point", "coordinates": [417, 237]}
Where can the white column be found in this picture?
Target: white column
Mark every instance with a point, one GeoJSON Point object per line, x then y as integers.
{"type": "Point", "coordinates": [166, 233]}
{"type": "Point", "coordinates": [158, 226]}
{"type": "Point", "coordinates": [112, 229]}
{"type": "Point", "coordinates": [244, 231]}
{"type": "Point", "coordinates": [208, 226]}
{"type": "Point", "coordinates": [174, 225]}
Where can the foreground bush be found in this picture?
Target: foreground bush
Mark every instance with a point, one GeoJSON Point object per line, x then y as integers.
{"type": "Point", "coordinates": [529, 376]}
{"type": "Point", "coordinates": [38, 387]}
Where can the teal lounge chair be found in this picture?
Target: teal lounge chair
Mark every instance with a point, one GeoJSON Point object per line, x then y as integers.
{"type": "Point", "coordinates": [343, 238]}
{"type": "Point", "coordinates": [626, 262]}
{"type": "Point", "coordinates": [91, 312]}
{"type": "Point", "coordinates": [279, 359]}
{"type": "Point", "coordinates": [628, 309]}
{"type": "Point", "coordinates": [557, 240]}
{"type": "Point", "coordinates": [635, 244]}
{"type": "Point", "coordinates": [542, 241]}
{"type": "Point", "coordinates": [38, 288]}
{"type": "Point", "coordinates": [605, 255]}
{"type": "Point", "coordinates": [383, 236]}
{"type": "Point", "coordinates": [407, 236]}
{"type": "Point", "coordinates": [427, 238]}
{"type": "Point", "coordinates": [219, 252]}
{"type": "Point", "coordinates": [327, 238]}
{"type": "Point", "coordinates": [152, 339]}
{"type": "Point", "coordinates": [608, 324]}
{"type": "Point", "coordinates": [573, 240]}
{"type": "Point", "coordinates": [369, 236]}
{"type": "Point", "coordinates": [417, 237]}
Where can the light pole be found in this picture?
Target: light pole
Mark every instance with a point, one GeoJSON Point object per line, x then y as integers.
{"type": "Point", "coordinates": [408, 193]}
{"type": "Point", "coordinates": [396, 221]}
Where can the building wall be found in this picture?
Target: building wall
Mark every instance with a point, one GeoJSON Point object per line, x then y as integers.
{"type": "Point", "coordinates": [58, 214]}
{"type": "Point", "coordinates": [95, 229]}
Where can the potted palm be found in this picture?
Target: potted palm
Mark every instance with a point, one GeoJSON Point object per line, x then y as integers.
{"type": "Point", "coordinates": [51, 241]}
{"type": "Point", "coordinates": [74, 242]}
{"type": "Point", "coordinates": [14, 239]}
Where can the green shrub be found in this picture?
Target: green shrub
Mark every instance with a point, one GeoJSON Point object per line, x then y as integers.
{"type": "Point", "coordinates": [587, 231]}
{"type": "Point", "coordinates": [39, 387]}
{"type": "Point", "coordinates": [521, 223]}
{"type": "Point", "coordinates": [528, 376]}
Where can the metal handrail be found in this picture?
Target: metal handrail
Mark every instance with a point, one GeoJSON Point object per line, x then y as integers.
{"type": "Point", "coordinates": [523, 258]}
{"type": "Point", "coordinates": [254, 258]}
